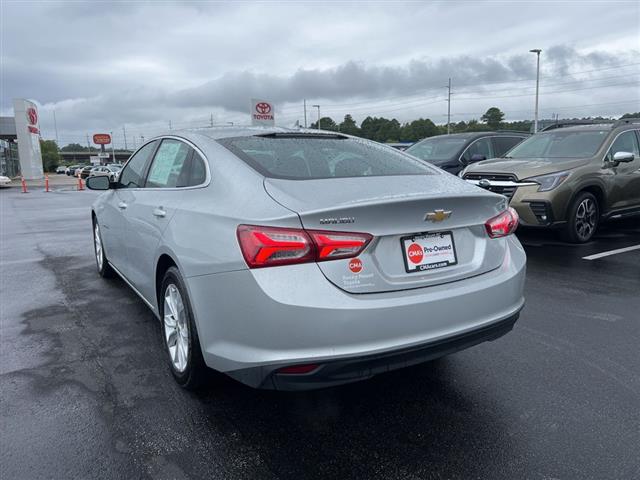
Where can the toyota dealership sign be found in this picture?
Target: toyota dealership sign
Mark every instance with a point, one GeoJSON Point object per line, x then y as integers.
{"type": "Point", "coordinates": [28, 133]}
{"type": "Point", "coordinates": [262, 113]}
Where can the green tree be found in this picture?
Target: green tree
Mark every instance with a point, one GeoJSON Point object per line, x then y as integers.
{"type": "Point", "coordinates": [73, 147]}
{"type": "Point", "coordinates": [50, 155]}
{"type": "Point", "coordinates": [493, 117]}
{"type": "Point", "coordinates": [326, 123]}
{"type": "Point", "coordinates": [631, 115]}
{"type": "Point", "coordinates": [349, 126]}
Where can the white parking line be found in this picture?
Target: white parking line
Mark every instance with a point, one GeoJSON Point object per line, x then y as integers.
{"type": "Point", "coordinates": [611, 252]}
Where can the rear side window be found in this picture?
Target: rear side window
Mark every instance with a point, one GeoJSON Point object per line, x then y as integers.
{"type": "Point", "coordinates": [170, 165]}
{"type": "Point", "coordinates": [300, 157]}
{"type": "Point", "coordinates": [197, 171]}
{"type": "Point", "coordinates": [132, 175]}
{"type": "Point", "coordinates": [502, 145]}
{"type": "Point", "coordinates": [479, 147]}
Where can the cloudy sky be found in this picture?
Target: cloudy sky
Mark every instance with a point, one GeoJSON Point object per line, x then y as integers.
{"type": "Point", "coordinates": [143, 64]}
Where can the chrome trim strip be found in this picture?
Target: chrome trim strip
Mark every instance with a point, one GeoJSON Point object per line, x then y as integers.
{"type": "Point", "coordinates": [501, 183]}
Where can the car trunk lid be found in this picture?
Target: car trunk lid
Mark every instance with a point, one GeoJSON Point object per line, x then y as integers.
{"type": "Point", "coordinates": [399, 211]}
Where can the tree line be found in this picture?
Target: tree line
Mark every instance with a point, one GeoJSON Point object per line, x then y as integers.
{"type": "Point", "coordinates": [380, 129]}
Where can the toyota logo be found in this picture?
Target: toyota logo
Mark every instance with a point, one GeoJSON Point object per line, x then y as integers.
{"type": "Point", "coordinates": [263, 108]}
{"type": "Point", "coordinates": [32, 116]}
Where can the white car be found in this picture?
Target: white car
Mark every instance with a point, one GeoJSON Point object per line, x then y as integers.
{"type": "Point", "coordinates": [4, 181]}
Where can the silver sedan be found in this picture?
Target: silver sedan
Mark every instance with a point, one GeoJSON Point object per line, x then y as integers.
{"type": "Point", "coordinates": [298, 259]}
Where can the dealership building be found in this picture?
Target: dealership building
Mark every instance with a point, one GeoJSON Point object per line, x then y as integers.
{"type": "Point", "coordinates": [9, 159]}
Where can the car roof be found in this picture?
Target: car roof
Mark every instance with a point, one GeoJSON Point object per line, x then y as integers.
{"type": "Point", "coordinates": [218, 133]}
{"type": "Point", "coordinates": [583, 128]}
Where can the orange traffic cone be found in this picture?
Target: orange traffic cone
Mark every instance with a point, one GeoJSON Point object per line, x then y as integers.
{"type": "Point", "coordinates": [46, 183]}
{"type": "Point", "coordinates": [80, 186]}
{"type": "Point", "coordinates": [24, 185]}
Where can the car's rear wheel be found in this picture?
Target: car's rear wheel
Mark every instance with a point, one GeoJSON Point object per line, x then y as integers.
{"type": "Point", "coordinates": [179, 332]}
{"type": "Point", "coordinates": [583, 217]}
{"type": "Point", "coordinates": [104, 269]}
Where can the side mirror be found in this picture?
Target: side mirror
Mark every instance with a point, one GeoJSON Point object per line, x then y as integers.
{"type": "Point", "coordinates": [99, 182]}
{"type": "Point", "coordinates": [476, 157]}
{"type": "Point", "coordinates": [625, 157]}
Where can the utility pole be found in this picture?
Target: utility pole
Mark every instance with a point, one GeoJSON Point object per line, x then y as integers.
{"type": "Point", "coordinates": [305, 112]}
{"type": "Point", "coordinates": [535, 118]}
{"type": "Point", "coordinates": [55, 126]}
{"type": "Point", "coordinates": [113, 149]}
{"type": "Point", "coordinates": [170, 125]}
{"type": "Point", "coordinates": [124, 133]}
{"type": "Point", "coordinates": [318, 107]}
{"type": "Point", "coordinates": [88, 144]}
{"type": "Point", "coordinates": [449, 107]}
{"type": "Point", "coordinates": [211, 121]}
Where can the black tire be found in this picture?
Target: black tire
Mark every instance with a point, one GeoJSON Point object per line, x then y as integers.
{"type": "Point", "coordinates": [195, 372]}
{"type": "Point", "coordinates": [583, 217]}
{"type": "Point", "coordinates": [102, 264]}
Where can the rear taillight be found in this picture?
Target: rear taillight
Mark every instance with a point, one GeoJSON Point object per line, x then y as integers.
{"type": "Point", "coordinates": [334, 245]}
{"type": "Point", "coordinates": [503, 224]}
{"type": "Point", "coordinates": [271, 246]}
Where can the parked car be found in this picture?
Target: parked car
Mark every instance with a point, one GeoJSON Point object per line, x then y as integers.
{"type": "Point", "coordinates": [72, 169]}
{"type": "Point", "coordinates": [61, 169]}
{"type": "Point", "coordinates": [454, 152]}
{"type": "Point", "coordinates": [85, 171]}
{"type": "Point", "coordinates": [4, 181]}
{"type": "Point", "coordinates": [569, 178]}
{"type": "Point", "coordinates": [108, 171]}
{"type": "Point", "coordinates": [293, 259]}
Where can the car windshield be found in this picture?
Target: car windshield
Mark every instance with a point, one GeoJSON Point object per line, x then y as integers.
{"type": "Point", "coordinates": [300, 157]}
{"type": "Point", "coordinates": [437, 149]}
{"type": "Point", "coordinates": [560, 144]}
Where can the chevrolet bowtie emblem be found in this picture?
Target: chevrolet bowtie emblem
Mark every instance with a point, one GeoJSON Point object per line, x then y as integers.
{"type": "Point", "coordinates": [437, 215]}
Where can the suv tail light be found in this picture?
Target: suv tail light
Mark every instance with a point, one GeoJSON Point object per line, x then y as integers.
{"type": "Point", "coordinates": [271, 246]}
{"type": "Point", "coordinates": [503, 224]}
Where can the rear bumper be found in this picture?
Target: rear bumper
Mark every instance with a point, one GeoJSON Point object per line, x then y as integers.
{"type": "Point", "coordinates": [338, 372]}
{"type": "Point", "coordinates": [252, 322]}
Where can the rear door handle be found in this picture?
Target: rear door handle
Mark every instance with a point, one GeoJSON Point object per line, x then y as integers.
{"type": "Point", "coordinates": [122, 205]}
{"type": "Point", "coordinates": [159, 212]}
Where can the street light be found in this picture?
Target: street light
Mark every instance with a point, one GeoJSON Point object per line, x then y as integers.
{"type": "Point", "coordinates": [318, 107]}
{"type": "Point", "coordinates": [535, 119]}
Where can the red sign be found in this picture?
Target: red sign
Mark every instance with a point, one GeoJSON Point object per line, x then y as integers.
{"type": "Point", "coordinates": [32, 119]}
{"type": "Point", "coordinates": [415, 253]}
{"type": "Point", "coordinates": [355, 265]}
{"type": "Point", "coordinates": [263, 108]}
{"type": "Point", "coordinates": [32, 116]}
{"type": "Point", "coordinates": [102, 139]}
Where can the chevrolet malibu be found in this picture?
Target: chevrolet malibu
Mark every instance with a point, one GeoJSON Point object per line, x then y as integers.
{"type": "Point", "coordinates": [296, 259]}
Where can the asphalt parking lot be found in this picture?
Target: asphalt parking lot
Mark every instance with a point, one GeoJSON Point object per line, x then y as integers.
{"type": "Point", "coordinates": [85, 391]}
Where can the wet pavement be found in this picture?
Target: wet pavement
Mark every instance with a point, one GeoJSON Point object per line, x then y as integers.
{"type": "Point", "coordinates": [85, 391]}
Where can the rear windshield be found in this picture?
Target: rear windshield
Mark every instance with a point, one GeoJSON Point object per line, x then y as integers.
{"type": "Point", "coordinates": [306, 157]}
{"type": "Point", "coordinates": [560, 144]}
{"type": "Point", "coordinates": [437, 149]}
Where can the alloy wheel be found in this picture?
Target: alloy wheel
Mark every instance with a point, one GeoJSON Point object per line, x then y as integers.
{"type": "Point", "coordinates": [98, 246]}
{"type": "Point", "coordinates": [176, 328]}
{"type": "Point", "coordinates": [586, 219]}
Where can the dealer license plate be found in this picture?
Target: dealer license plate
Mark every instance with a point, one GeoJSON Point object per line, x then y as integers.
{"type": "Point", "coordinates": [428, 251]}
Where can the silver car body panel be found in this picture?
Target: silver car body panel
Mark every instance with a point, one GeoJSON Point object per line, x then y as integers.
{"type": "Point", "coordinates": [300, 313]}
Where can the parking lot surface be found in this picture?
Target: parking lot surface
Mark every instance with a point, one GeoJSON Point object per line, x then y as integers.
{"type": "Point", "coordinates": [86, 393]}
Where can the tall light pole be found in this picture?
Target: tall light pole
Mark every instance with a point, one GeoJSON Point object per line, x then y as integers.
{"type": "Point", "coordinates": [318, 107]}
{"type": "Point", "coordinates": [535, 118]}
{"type": "Point", "coordinates": [449, 108]}
{"type": "Point", "coordinates": [305, 112]}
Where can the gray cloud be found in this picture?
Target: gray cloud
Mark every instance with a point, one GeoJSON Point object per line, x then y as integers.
{"type": "Point", "coordinates": [145, 63]}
